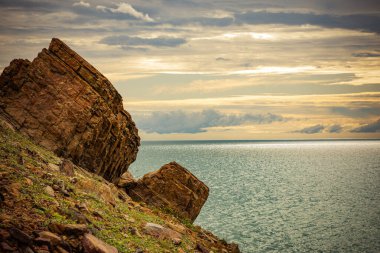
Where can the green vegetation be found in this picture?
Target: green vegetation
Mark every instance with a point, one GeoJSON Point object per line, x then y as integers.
{"type": "Point", "coordinates": [28, 169]}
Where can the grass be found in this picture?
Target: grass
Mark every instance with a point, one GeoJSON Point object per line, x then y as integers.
{"type": "Point", "coordinates": [20, 158]}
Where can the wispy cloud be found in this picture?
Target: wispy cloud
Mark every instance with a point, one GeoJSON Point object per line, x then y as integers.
{"type": "Point", "coordinates": [126, 8]}
{"type": "Point", "coordinates": [124, 40]}
{"type": "Point", "coordinates": [82, 3]}
{"type": "Point", "coordinates": [196, 122]}
{"type": "Point", "coordinates": [311, 130]}
{"type": "Point", "coordinates": [358, 112]}
{"type": "Point", "coordinates": [373, 127]}
{"type": "Point", "coordinates": [335, 128]}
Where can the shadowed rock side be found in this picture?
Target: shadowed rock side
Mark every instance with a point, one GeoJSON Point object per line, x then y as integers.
{"type": "Point", "coordinates": [172, 187]}
{"type": "Point", "coordinates": [67, 106]}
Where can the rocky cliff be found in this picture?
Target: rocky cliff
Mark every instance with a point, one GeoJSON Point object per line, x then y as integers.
{"type": "Point", "coordinates": [66, 105]}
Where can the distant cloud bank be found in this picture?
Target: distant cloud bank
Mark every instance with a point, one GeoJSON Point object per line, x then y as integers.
{"type": "Point", "coordinates": [195, 122]}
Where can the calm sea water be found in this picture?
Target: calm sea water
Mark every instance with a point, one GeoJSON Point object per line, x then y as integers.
{"type": "Point", "coordinates": [286, 196]}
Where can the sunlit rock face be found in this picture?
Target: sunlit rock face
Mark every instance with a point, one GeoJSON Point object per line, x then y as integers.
{"type": "Point", "coordinates": [66, 105]}
{"type": "Point", "coordinates": [172, 187]}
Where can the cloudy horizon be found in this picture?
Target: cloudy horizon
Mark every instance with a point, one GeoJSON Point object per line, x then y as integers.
{"type": "Point", "coordinates": [218, 69]}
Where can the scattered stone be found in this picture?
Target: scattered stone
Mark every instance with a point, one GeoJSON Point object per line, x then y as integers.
{"type": "Point", "coordinates": [67, 167]}
{"type": "Point", "coordinates": [53, 238]}
{"type": "Point", "coordinates": [61, 250]}
{"type": "Point", "coordinates": [5, 247]}
{"type": "Point", "coordinates": [97, 214]}
{"type": "Point", "coordinates": [234, 248]}
{"type": "Point", "coordinates": [161, 232]}
{"type": "Point", "coordinates": [139, 250]}
{"type": "Point", "coordinates": [74, 111]}
{"type": "Point", "coordinates": [82, 207]}
{"type": "Point", "coordinates": [202, 248]}
{"type": "Point", "coordinates": [128, 218]}
{"type": "Point", "coordinates": [68, 229]}
{"type": "Point", "coordinates": [21, 160]}
{"type": "Point", "coordinates": [177, 241]}
{"type": "Point", "coordinates": [42, 241]}
{"type": "Point", "coordinates": [20, 236]}
{"type": "Point", "coordinates": [91, 244]}
{"type": "Point", "coordinates": [134, 231]}
{"type": "Point", "coordinates": [177, 227]}
{"type": "Point", "coordinates": [49, 191]}
{"type": "Point", "coordinates": [53, 167]}
{"type": "Point", "coordinates": [28, 181]}
{"type": "Point", "coordinates": [172, 187]}
{"type": "Point", "coordinates": [27, 250]}
{"type": "Point", "coordinates": [4, 234]}
{"type": "Point", "coordinates": [73, 180]}
{"type": "Point", "coordinates": [14, 189]}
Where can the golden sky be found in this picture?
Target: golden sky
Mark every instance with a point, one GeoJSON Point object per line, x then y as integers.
{"type": "Point", "coordinates": [220, 69]}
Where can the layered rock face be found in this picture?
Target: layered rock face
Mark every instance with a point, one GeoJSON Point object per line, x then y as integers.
{"type": "Point", "coordinates": [173, 187]}
{"type": "Point", "coordinates": [67, 106]}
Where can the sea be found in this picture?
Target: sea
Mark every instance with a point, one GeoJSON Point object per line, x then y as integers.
{"type": "Point", "coordinates": [282, 196]}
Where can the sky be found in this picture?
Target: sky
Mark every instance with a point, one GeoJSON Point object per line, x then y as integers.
{"type": "Point", "coordinates": [218, 69]}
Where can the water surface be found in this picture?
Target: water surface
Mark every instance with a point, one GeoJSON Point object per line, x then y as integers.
{"type": "Point", "coordinates": [283, 196]}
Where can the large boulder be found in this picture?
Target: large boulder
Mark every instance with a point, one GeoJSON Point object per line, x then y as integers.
{"type": "Point", "coordinates": [171, 187]}
{"type": "Point", "coordinates": [67, 106]}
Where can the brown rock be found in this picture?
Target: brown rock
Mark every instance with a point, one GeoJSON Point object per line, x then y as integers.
{"type": "Point", "coordinates": [173, 187]}
{"type": "Point", "coordinates": [234, 248]}
{"type": "Point", "coordinates": [201, 248]}
{"type": "Point", "coordinates": [67, 167]}
{"type": "Point", "coordinates": [67, 106]}
{"type": "Point", "coordinates": [91, 244]}
{"type": "Point", "coordinates": [126, 181]}
{"type": "Point", "coordinates": [68, 229]}
{"type": "Point", "coordinates": [53, 238]}
{"type": "Point", "coordinates": [20, 236]}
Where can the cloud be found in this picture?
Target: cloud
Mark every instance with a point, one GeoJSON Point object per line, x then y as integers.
{"type": "Point", "coordinates": [366, 54]}
{"type": "Point", "coordinates": [311, 130]}
{"type": "Point", "coordinates": [196, 122]}
{"type": "Point", "coordinates": [363, 22]}
{"type": "Point", "coordinates": [373, 127]}
{"type": "Point", "coordinates": [335, 128]}
{"type": "Point", "coordinates": [81, 3]}
{"type": "Point", "coordinates": [125, 8]}
{"type": "Point", "coordinates": [124, 40]}
{"type": "Point", "coordinates": [361, 112]}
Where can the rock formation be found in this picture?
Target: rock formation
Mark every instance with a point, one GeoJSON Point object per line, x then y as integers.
{"type": "Point", "coordinates": [64, 104]}
{"type": "Point", "coordinates": [172, 187]}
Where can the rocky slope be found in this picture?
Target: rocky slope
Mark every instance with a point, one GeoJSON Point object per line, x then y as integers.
{"type": "Point", "coordinates": [48, 204]}
{"type": "Point", "coordinates": [66, 105]}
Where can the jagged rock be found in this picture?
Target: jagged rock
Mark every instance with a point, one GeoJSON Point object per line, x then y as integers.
{"type": "Point", "coordinates": [172, 187]}
{"type": "Point", "coordinates": [91, 244]}
{"type": "Point", "coordinates": [67, 106]}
